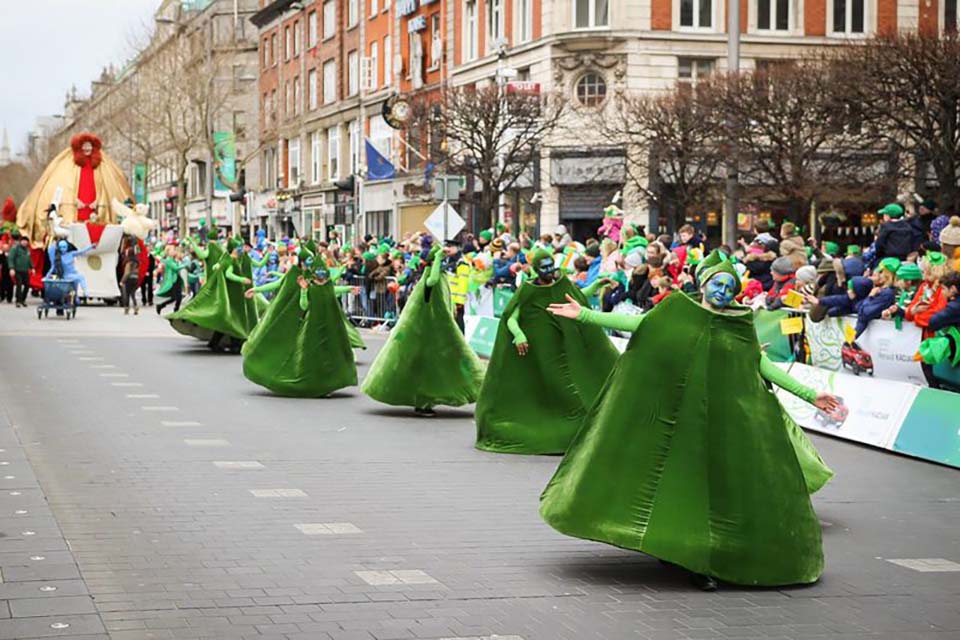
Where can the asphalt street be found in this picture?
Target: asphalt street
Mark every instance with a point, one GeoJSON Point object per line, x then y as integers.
{"type": "Point", "coordinates": [148, 490]}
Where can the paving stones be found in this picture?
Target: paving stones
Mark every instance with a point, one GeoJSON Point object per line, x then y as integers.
{"type": "Point", "coordinates": [404, 576]}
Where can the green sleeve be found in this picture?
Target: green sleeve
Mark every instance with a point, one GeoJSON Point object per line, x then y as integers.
{"type": "Point", "coordinates": [269, 286]}
{"type": "Point", "coordinates": [775, 375]}
{"type": "Point", "coordinates": [340, 290]}
{"type": "Point", "coordinates": [434, 278]}
{"type": "Point", "coordinates": [304, 299]}
{"type": "Point", "coordinates": [233, 277]}
{"type": "Point", "coordinates": [591, 289]}
{"type": "Point", "coordinates": [202, 252]}
{"type": "Point", "coordinates": [617, 321]}
{"type": "Point", "coordinates": [259, 263]}
{"type": "Point", "coordinates": [514, 326]}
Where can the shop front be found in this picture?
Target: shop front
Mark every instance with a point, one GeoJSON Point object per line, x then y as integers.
{"type": "Point", "coordinates": [586, 182]}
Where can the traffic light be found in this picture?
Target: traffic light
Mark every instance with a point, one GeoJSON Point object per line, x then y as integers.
{"type": "Point", "coordinates": [240, 194]}
{"type": "Point", "coordinates": [169, 204]}
{"type": "Point", "coordinates": [347, 184]}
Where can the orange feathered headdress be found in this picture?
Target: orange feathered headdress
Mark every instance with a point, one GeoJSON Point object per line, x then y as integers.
{"type": "Point", "coordinates": [9, 212]}
{"type": "Point", "coordinates": [76, 143]}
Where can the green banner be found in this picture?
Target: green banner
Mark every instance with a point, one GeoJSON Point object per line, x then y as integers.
{"type": "Point", "coordinates": [767, 325]}
{"type": "Point", "coordinates": [225, 154]}
{"type": "Point", "coordinates": [140, 183]}
{"type": "Point", "coordinates": [484, 335]}
{"type": "Point", "coordinates": [500, 299]}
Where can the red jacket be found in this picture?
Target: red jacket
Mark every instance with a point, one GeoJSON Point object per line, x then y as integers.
{"type": "Point", "coordinates": [936, 300]}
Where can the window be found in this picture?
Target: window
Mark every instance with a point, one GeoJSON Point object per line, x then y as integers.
{"type": "Point", "coordinates": [696, 14]}
{"type": "Point", "coordinates": [329, 19]}
{"type": "Point", "coordinates": [312, 89]}
{"type": "Point", "coordinates": [436, 42]}
{"type": "Point", "coordinates": [265, 60]}
{"type": "Point", "coordinates": [386, 4]}
{"type": "Point", "coordinates": [470, 31]}
{"type": "Point", "coordinates": [293, 160]}
{"type": "Point", "coordinates": [689, 70]}
{"type": "Point", "coordinates": [287, 100]}
{"type": "Point", "coordinates": [591, 89]}
{"type": "Point", "coordinates": [494, 23]}
{"type": "Point", "coordinates": [315, 151]}
{"type": "Point", "coordinates": [329, 81]}
{"type": "Point", "coordinates": [525, 30]}
{"type": "Point", "coordinates": [353, 73]}
{"type": "Point", "coordinates": [374, 66]}
{"type": "Point", "coordinates": [353, 10]}
{"type": "Point", "coordinates": [354, 128]}
{"type": "Point", "coordinates": [286, 43]}
{"type": "Point", "coordinates": [849, 16]}
{"type": "Point", "coordinates": [387, 62]}
{"type": "Point", "coordinates": [296, 38]}
{"type": "Point", "coordinates": [373, 8]}
{"type": "Point", "coordinates": [312, 30]}
{"type": "Point", "coordinates": [949, 16]}
{"type": "Point", "coordinates": [333, 153]}
{"type": "Point", "coordinates": [273, 49]}
{"type": "Point", "coordinates": [296, 95]}
{"type": "Point", "coordinates": [594, 13]}
{"type": "Point", "coordinates": [773, 15]}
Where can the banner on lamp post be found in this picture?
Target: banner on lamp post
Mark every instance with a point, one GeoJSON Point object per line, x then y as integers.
{"type": "Point", "coordinates": [140, 183]}
{"type": "Point", "coordinates": [225, 156]}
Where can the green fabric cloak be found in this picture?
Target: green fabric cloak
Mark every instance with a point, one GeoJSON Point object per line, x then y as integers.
{"type": "Point", "coordinates": [356, 340]}
{"type": "Point", "coordinates": [219, 306]}
{"type": "Point", "coordinates": [685, 456]}
{"type": "Point", "coordinates": [214, 253]}
{"type": "Point", "coordinates": [426, 360]}
{"type": "Point", "coordinates": [535, 404]}
{"type": "Point", "coordinates": [171, 271]}
{"type": "Point", "coordinates": [297, 353]}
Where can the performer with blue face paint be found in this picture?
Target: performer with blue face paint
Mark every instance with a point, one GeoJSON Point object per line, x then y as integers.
{"type": "Point", "coordinates": [687, 454]}
{"type": "Point", "coordinates": [63, 264]}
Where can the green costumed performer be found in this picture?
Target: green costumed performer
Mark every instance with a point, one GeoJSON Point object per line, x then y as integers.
{"type": "Point", "coordinates": [210, 253]}
{"type": "Point", "coordinates": [220, 314]}
{"type": "Point", "coordinates": [687, 454]}
{"type": "Point", "coordinates": [170, 289]}
{"type": "Point", "coordinates": [300, 347]}
{"type": "Point", "coordinates": [544, 373]}
{"type": "Point", "coordinates": [426, 360]}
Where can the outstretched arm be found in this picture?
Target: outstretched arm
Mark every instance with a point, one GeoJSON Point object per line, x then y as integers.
{"type": "Point", "coordinates": [519, 337]}
{"type": "Point", "coordinates": [266, 288]}
{"type": "Point", "coordinates": [233, 277]}
{"type": "Point", "coordinates": [618, 321]}
{"type": "Point", "coordinates": [340, 290]}
{"type": "Point", "coordinates": [591, 289]}
{"type": "Point", "coordinates": [202, 252]}
{"type": "Point", "coordinates": [304, 299]}
{"type": "Point", "coordinates": [259, 263]}
{"type": "Point", "coordinates": [775, 375]}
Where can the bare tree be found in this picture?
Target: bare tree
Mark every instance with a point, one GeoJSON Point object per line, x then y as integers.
{"type": "Point", "coordinates": [673, 148]}
{"type": "Point", "coordinates": [906, 87]}
{"type": "Point", "coordinates": [492, 133]}
{"type": "Point", "coordinates": [795, 138]}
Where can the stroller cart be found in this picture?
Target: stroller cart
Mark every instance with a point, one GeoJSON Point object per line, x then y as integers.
{"type": "Point", "coordinates": [60, 295]}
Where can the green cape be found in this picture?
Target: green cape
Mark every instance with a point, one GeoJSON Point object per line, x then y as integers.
{"type": "Point", "coordinates": [299, 353]}
{"type": "Point", "coordinates": [356, 340]}
{"type": "Point", "coordinates": [426, 360]}
{"type": "Point", "coordinates": [214, 253]}
{"type": "Point", "coordinates": [219, 306]}
{"type": "Point", "coordinates": [535, 403]}
{"type": "Point", "coordinates": [685, 456]}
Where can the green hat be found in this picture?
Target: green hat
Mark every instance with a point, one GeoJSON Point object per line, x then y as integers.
{"type": "Point", "coordinates": [540, 256]}
{"type": "Point", "coordinates": [890, 264]}
{"type": "Point", "coordinates": [232, 244]}
{"type": "Point", "coordinates": [486, 235]}
{"type": "Point", "coordinates": [909, 271]}
{"type": "Point", "coordinates": [303, 255]}
{"type": "Point", "coordinates": [369, 255]}
{"type": "Point", "coordinates": [893, 210]}
{"type": "Point", "coordinates": [853, 249]}
{"type": "Point", "coordinates": [935, 258]}
{"type": "Point", "coordinates": [716, 263]}
{"type": "Point", "coordinates": [831, 247]}
{"type": "Point", "coordinates": [636, 242]}
{"type": "Point", "coordinates": [383, 247]}
{"type": "Point", "coordinates": [937, 350]}
{"type": "Point", "coordinates": [310, 246]}
{"type": "Point", "coordinates": [500, 227]}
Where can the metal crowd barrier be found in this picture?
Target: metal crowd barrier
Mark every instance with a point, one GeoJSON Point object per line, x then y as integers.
{"type": "Point", "coordinates": [368, 305]}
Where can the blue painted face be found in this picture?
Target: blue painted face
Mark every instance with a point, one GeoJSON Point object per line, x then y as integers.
{"type": "Point", "coordinates": [321, 274]}
{"type": "Point", "coordinates": [62, 245]}
{"type": "Point", "coordinates": [720, 290]}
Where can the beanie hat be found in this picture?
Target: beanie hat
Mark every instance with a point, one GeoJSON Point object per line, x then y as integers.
{"type": "Point", "coordinates": [853, 267]}
{"type": "Point", "coordinates": [807, 273]}
{"type": "Point", "coordinates": [909, 271]}
{"type": "Point", "coordinates": [934, 258]}
{"type": "Point", "coordinates": [951, 233]}
{"type": "Point", "coordinates": [783, 266]}
{"type": "Point", "coordinates": [766, 240]}
{"type": "Point", "coordinates": [716, 263]}
{"type": "Point", "coordinates": [497, 245]}
{"type": "Point", "coordinates": [634, 260]}
{"type": "Point", "coordinates": [369, 255]}
{"type": "Point", "coordinates": [486, 235]}
{"type": "Point", "coordinates": [893, 210]}
{"type": "Point", "coordinates": [853, 249]}
{"type": "Point", "coordinates": [634, 243]}
{"type": "Point", "coordinates": [861, 286]}
{"type": "Point", "coordinates": [890, 264]}
{"type": "Point", "coordinates": [831, 247]}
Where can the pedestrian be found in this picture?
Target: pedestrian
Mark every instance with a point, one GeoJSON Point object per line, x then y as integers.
{"type": "Point", "coordinates": [146, 287]}
{"type": "Point", "coordinates": [21, 266]}
{"type": "Point", "coordinates": [130, 276]}
{"type": "Point", "coordinates": [897, 237]}
{"type": "Point", "coordinates": [6, 273]}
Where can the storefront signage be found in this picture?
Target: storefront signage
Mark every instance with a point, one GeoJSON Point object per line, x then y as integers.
{"type": "Point", "coordinates": [406, 7]}
{"type": "Point", "coordinates": [418, 23]}
{"type": "Point", "coordinates": [588, 170]}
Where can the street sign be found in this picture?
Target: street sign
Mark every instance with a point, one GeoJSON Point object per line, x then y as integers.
{"type": "Point", "coordinates": [447, 187]}
{"type": "Point", "coordinates": [444, 223]}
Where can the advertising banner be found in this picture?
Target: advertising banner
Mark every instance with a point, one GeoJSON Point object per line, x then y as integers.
{"type": "Point", "coordinates": [481, 333]}
{"type": "Point", "coordinates": [140, 184]}
{"type": "Point", "coordinates": [882, 351]}
{"type": "Point", "coordinates": [768, 327]}
{"type": "Point", "coordinates": [876, 408]}
{"type": "Point", "coordinates": [225, 152]}
{"type": "Point", "coordinates": [931, 428]}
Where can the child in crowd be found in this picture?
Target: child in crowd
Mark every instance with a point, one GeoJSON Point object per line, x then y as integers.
{"type": "Point", "coordinates": [908, 281]}
{"type": "Point", "coordinates": [882, 296]}
{"type": "Point", "coordinates": [784, 280]}
{"type": "Point", "coordinates": [930, 297]}
{"type": "Point", "coordinates": [664, 289]}
{"type": "Point", "coordinates": [847, 303]}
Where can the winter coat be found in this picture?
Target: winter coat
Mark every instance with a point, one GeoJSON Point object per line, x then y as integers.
{"type": "Point", "coordinates": [896, 239]}
{"type": "Point", "coordinates": [873, 307]}
{"type": "Point", "coordinates": [20, 259]}
{"type": "Point", "coordinates": [949, 316]}
{"type": "Point", "coordinates": [936, 301]}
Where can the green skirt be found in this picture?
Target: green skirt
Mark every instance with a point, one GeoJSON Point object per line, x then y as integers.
{"type": "Point", "coordinates": [220, 306]}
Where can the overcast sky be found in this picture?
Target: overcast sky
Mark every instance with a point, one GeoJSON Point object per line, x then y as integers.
{"type": "Point", "coordinates": [49, 45]}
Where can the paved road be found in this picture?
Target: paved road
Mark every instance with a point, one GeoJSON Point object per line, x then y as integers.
{"type": "Point", "coordinates": [170, 498]}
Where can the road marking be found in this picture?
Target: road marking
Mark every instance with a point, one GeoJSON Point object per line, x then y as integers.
{"type": "Point", "coordinates": [278, 493]}
{"type": "Point", "coordinates": [127, 384]}
{"type": "Point", "coordinates": [383, 578]}
{"type": "Point", "coordinates": [67, 341]}
{"type": "Point", "coordinates": [158, 408]}
{"type": "Point", "coordinates": [206, 442]}
{"type": "Point", "coordinates": [114, 375]}
{"type": "Point", "coordinates": [487, 638]}
{"type": "Point", "coordinates": [143, 395]}
{"type": "Point", "coordinates": [103, 366]}
{"type": "Point", "coordinates": [180, 423]}
{"type": "Point", "coordinates": [237, 464]}
{"type": "Point", "coordinates": [91, 359]}
{"type": "Point", "coordinates": [84, 352]}
{"type": "Point", "coordinates": [926, 565]}
{"type": "Point", "coordinates": [327, 528]}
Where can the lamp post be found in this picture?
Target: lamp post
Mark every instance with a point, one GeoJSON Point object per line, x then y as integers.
{"type": "Point", "coordinates": [732, 187]}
